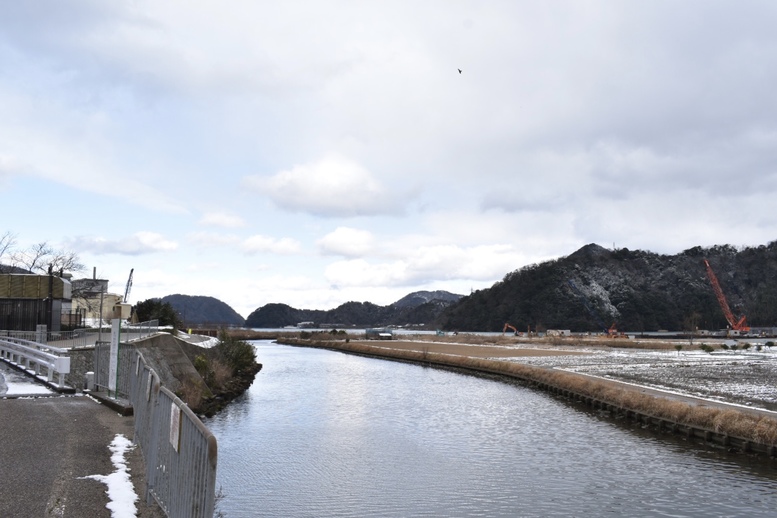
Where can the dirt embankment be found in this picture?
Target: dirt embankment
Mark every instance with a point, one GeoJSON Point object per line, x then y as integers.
{"type": "Point", "coordinates": [204, 378]}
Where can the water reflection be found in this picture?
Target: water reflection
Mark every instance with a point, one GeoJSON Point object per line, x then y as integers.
{"type": "Point", "coordinates": [322, 433]}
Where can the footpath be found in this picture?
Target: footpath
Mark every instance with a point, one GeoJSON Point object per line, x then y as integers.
{"type": "Point", "coordinates": [49, 444]}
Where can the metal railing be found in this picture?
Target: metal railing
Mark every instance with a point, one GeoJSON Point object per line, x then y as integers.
{"type": "Point", "coordinates": [179, 450]}
{"type": "Point", "coordinates": [85, 337]}
{"type": "Point", "coordinates": [33, 357]}
{"type": "Point", "coordinates": [137, 331]}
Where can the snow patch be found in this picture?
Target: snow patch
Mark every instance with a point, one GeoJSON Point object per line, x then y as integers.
{"type": "Point", "coordinates": [120, 491]}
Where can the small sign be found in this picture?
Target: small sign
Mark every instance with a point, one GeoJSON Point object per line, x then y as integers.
{"type": "Point", "coordinates": [175, 426]}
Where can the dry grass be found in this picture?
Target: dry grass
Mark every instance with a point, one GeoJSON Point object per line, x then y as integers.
{"type": "Point", "coordinates": [731, 422]}
{"type": "Point", "coordinates": [221, 373]}
{"type": "Point", "coordinates": [573, 341]}
{"type": "Point", "coordinates": [192, 393]}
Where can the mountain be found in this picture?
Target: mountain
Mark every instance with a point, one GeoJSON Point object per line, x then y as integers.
{"type": "Point", "coordinates": [419, 308]}
{"type": "Point", "coordinates": [422, 297]}
{"type": "Point", "coordinates": [200, 310]}
{"type": "Point", "coordinates": [637, 290]}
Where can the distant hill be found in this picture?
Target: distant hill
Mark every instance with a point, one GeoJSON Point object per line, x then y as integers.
{"type": "Point", "coordinates": [637, 290]}
{"type": "Point", "coordinates": [418, 298]}
{"type": "Point", "coordinates": [420, 308]}
{"type": "Point", "coordinates": [200, 310]}
{"type": "Point", "coordinates": [5, 268]}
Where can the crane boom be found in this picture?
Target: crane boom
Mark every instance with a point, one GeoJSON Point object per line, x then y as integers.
{"type": "Point", "coordinates": [129, 286]}
{"type": "Point", "coordinates": [737, 325]}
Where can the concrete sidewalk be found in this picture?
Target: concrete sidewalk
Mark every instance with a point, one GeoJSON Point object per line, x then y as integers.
{"type": "Point", "coordinates": [48, 444]}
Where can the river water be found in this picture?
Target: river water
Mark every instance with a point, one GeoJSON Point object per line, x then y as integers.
{"type": "Point", "coordinates": [326, 434]}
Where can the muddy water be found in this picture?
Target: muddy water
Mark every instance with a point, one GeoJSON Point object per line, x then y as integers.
{"type": "Point", "coordinates": [325, 434]}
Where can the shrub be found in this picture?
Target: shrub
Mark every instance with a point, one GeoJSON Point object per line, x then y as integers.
{"type": "Point", "coordinates": [201, 364]}
{"type": "Point", "coordinates": [236, 354]}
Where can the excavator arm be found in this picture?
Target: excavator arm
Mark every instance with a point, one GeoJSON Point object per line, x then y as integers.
{"type": "Point", "coordinates": [736, 324]}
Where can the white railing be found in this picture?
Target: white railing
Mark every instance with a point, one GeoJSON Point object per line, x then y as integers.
{"type": "Point", "coordinates": [179, 450]}
{"type": "Point", "coordinates": [33, 356]}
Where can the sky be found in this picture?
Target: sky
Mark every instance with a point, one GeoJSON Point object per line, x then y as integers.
{"type": "Point", "coordinates": [317, 152]}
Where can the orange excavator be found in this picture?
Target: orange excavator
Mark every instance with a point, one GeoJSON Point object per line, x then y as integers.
{"type": "Point", "coordinates": [736, 324]}
{"type": "Point", "coordinates": [508, 326]}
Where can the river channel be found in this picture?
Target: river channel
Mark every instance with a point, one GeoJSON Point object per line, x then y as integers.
{"type": "Point", "coordinates": [327, 434]}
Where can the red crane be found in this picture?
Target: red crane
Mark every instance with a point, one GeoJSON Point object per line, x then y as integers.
{"type": "Point", "coordinates": [736, 325]}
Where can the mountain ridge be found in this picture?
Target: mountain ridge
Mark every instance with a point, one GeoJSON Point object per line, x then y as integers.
{"type": "Point", "coordinates": [637, 290]}
{"type": "Point", "coordinates": [418, 309]}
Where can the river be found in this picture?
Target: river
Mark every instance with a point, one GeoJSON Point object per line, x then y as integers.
{"type": "Point", "coordinates": [327, 434]}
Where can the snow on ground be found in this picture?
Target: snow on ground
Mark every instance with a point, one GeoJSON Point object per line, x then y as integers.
{"type": "Point", "coordinates": [200, 340]}
{"type": "Point", "coordinates": [121, 492]}
{"type": "Point", "coordinates": [14, 383]}
{"type": "Point", "coordinates": [748, 378]}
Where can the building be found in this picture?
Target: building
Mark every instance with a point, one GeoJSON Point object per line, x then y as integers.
{"type": "Point", "coordinates": [92, 298]}
{"type": "Point", "coordinates": [379, 334]}
{"type": "Point", "coordinates": [28, 300]}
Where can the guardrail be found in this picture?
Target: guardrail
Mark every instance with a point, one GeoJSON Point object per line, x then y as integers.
{"type": "Point", "coordinates": [179, 450]}
{"type": "Point", "coordinates": [32, 356]}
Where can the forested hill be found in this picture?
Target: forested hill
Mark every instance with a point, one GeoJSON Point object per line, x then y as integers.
{"type": "Point", "coordinates": [418, 308]}
{"type": "Point", "coordinates": [200, 310]}
{"type": "Point", "coordinates": [636, 290]}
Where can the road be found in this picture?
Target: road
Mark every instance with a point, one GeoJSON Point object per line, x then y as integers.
{"type": "Point", "coordinates": [47, 446]}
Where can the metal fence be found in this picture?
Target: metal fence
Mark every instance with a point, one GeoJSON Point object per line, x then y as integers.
{"type": "Point", "coordinates": [102, 356]}
{"type": "Point", "coordinates": [85, 337]}
{"type": "Point", "coordinates": [179, 450]}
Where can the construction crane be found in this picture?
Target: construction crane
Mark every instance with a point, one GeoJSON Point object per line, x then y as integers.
{"type": "Point", "coordinates": [129, 286]}
{"type": "Point", "coordinates": [736, 325]}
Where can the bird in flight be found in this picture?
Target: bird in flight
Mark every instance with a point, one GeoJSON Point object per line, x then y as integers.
{"type": "Point", "coordinates": [459, 71]}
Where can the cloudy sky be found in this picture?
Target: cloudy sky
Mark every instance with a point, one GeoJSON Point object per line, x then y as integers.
{"type": "Point", "coordinates": [316, 152]}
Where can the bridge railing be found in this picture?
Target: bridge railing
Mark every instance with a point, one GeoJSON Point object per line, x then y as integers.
{"type": "Point", "coordinates": [34, 356]}
{"type": "Point", "coordinates": [179, 450]}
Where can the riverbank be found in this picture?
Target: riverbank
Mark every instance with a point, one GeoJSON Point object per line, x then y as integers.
{"type": "Point", "coordinates": [553, 367]}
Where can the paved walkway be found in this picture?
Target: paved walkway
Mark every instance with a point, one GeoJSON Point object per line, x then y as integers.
{"type": "Point", "coordinates": [47, 446]}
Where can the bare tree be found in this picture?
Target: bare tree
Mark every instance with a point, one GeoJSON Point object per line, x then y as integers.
{"type": "Point", "coordinates": [7, 244]}
{"type": "Point", "coordinates": [42, 257]}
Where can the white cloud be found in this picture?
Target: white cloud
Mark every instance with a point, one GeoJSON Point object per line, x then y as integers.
{"type": "Point", "coordinates": [331, 187]}
{"type": "Point", "coordinates": [346, 241]}
{"type": "Point", "coordinates": [212, 239]}
{"type": "Point", "coordinates": [140, 243]}
{"type": "Point", "coordinates": [630, 126]}
{"type": "Point", "coordinates": [429, 264]}
{"type": "Point", "coordinates": [222, 219]}
{"type": "Point", "coordinates": [264, 244]}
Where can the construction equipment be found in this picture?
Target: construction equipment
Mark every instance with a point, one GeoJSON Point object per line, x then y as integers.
{"type": "Point", "coordinates": [129, 286]}
{"type": "Point", "coordinates": [735, 324]}
{"type": "Point", "coordinates": [508, 326]}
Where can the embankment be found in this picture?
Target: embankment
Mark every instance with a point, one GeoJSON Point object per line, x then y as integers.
{"type": "Point", "coordinates": [729, 427]}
